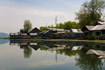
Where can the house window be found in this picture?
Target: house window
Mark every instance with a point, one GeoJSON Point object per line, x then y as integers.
{"type": "Point", "coordinates": [103, 32]}
{"type": "Point", "coordinates": [86, 33]}
{"type": "Point", "coordinates": [97, 33]}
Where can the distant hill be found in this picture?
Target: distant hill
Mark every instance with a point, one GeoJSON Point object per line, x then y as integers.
{"type": "Point", "coordinates": [4, 35]}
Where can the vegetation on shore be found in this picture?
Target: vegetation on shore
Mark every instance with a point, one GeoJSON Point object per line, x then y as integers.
{"type": "Point", "coordinates": [100, 41]}
{"type": "Point", "coordinates": [89, 13]}
{"type": "Point", "coordinates": [4, 37]}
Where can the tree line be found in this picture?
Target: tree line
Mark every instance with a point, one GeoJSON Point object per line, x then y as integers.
{"type": "Point", "coordinates": [65, 25]}
{"type": "Point", "coordinates": [89, 13]}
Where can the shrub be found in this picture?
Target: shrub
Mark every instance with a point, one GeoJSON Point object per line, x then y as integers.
{"type": "Point", "coordinates": [91, 37]}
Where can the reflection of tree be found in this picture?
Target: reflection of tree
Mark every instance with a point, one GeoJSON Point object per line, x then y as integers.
{"type": "Point", "coordinates": [89, 62]}
{"type": "Point", "coordinates": [43, 48]}
{"type": "Point", "coordinates": [27, 51]}
{"type": "Point", "coordinates": [68, 52]}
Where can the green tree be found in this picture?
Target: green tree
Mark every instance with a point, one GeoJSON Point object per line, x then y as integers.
{"type": "Point", "coordinates": [61, 25]}
{"type": "Point", "coordinates": [27, 25]}
{"type": "Point", "coordinates": [90, 12]}
{"type": "Point", "coordinates": [51, 26]}
{"type": "Point", "coordinates": [43, 29]}
{"type": "Point", "coordinates": [68, 24]}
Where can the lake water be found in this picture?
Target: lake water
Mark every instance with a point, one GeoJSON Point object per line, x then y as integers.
{"type": "Point", "coordinates": [47, 55]}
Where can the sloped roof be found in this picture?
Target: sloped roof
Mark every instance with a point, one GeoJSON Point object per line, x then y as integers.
{"type": "Point", "coordinates": [102, 23]}
{"type": "Point", "coordinates": [35, 47]}
{"type": "Point", "coordinates": [97, 52]}
{"type": "Point", "coordinates": [55, 29]}
{"type": "Point", "coordinates": [44, 32]}
{"type": "Point", "coordinates": [76, 30]}
{"type": "Point", "coordinates": [98, 27]}
{"type": "Point", "coordinates": [90, 27]}
{"type": "Point", "coordinates": [34, 30]}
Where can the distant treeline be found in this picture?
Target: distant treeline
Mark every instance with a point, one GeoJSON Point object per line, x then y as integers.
{"type": "Point", "coordinates": [90, 12]}
{"type": "Point", "coordinates": [65, 25]}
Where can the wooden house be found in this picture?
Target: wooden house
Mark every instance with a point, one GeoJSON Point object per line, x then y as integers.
{"type": "Point", "coordinates": [19, 36]}
{"type": "Point", "coordinates": [87, 31]}
{"type": "Point", "coordinates": [75, 34]}
{"type": "Point", "coordinates": [99, 31]}
{"type": "Point", "coordinates": [99, 23]}
{"type": "Point", "coordinates": [34, 33]}
{"type": "Point", "coordinates": [53, 33]}
{"type": "Point", "coordinates": [57, 33]}
{"type": "Point", "coordinates": [46, 34]}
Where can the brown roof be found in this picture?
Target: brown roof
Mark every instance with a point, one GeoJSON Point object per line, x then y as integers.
{"type": "Point", "coordinates": [34, 30]}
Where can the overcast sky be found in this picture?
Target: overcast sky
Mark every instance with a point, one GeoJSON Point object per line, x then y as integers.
{"type": "Point", "coordinates": [39, 12]}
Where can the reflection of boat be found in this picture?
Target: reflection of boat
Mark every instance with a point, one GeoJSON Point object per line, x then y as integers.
{"type": "Point", "coordinates": [100, 53]}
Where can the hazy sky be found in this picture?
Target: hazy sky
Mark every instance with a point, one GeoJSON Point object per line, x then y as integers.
{"type": "Point", "coordinates": [39, 12]}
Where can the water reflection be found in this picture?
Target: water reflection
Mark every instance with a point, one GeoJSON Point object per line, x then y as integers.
{"type": "Point", "coordinates": [78, 49]}
{"type": "Point", "coordinates": [4, 41]}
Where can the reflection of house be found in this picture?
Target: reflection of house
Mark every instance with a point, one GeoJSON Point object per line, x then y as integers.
{"type": "Point", "coordinates": [34, 46]}
{"type": "Point", "coordinates": [77, 47]}
{"type": "Point", "coordinates": [100, 53]}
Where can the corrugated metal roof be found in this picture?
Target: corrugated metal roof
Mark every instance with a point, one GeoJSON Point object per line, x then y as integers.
{"type": "Point", "coordinates": [80, 30]}
{"type": "Point", "coordinates": [97, 52]}
{"type": "Point", "coordinates": [76, 30]}
{"type": "Point", "coordinates": [98, 27]}
{"type": "Point", "coordinates": [46, 31]}
{"type": "Point", "coordinates": [34, 30]}
{"type": "Point", "coordinates": [102, 23]}
{"type": "Point", "coordinates": [55, 29]}
{"type": "Point", "coordinates": [60, 33]}
{"type": "Point", "coordinates": [90, 27]}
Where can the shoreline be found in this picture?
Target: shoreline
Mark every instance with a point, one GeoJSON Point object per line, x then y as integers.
{"type": "Point", "coordinates": [98, 41]}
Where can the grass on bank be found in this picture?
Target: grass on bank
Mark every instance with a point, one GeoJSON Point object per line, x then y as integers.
{"type": "Point", "coordinates": [100, 41]}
